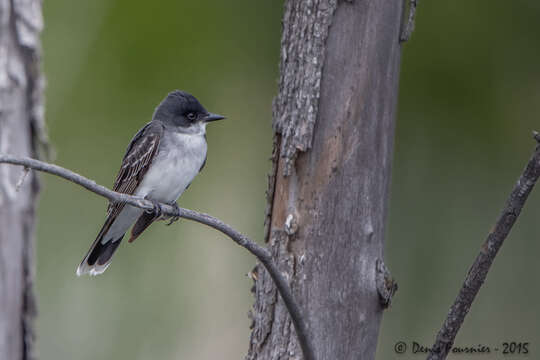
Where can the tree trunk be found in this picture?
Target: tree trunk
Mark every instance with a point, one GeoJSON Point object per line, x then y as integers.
{"type": "Point", "coordinates": [21, 131]}
{"type": "Point", "coordinates": [328, 190]}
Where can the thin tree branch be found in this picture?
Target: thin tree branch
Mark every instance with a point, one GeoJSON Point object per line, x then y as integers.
{"type": "Point", "coordinates": [262, 254]}
{"type": "Point", "coordinates": [479, 269]}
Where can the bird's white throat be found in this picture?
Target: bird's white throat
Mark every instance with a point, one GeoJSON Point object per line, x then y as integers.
{"type": "Point", "coordinates": [198, 128]}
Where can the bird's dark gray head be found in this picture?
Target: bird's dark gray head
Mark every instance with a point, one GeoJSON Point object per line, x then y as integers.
{"type": "Point", "coordinates": [183, 110]}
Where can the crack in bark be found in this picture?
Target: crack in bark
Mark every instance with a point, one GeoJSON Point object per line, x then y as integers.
{"type": "Point", "coordinates": [271, 186]}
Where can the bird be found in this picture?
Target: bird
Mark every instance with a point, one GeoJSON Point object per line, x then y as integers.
{"type": "Point", "coordinates": [159, 164]}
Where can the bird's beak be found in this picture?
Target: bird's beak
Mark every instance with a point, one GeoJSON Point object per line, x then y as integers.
{"type": "Point", "coordinates": [213, 117]}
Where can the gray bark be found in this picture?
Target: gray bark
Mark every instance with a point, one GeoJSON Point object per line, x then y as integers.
{"type": "Point", "coordinates": [328, 190]}
{"type": "Point", "coordinates": [21, 133]}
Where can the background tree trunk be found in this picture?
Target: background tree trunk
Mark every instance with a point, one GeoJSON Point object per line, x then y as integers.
{"type": "Point", "coordinates": [328, 190]}
{"type": "Point", "coordinates": [21, 131]}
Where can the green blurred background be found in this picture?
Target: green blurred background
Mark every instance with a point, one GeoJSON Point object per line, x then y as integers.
{"type": "Point", "coordinates": [469, 98]}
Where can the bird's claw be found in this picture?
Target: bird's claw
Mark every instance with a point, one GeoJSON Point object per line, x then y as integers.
{"type": "Point", "coordinates": [176, 215]}
{"type": "Point", "coordinates": [156, 210]}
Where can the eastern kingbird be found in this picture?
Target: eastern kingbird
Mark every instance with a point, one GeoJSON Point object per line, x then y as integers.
{"type": "Point", "coordinates": [159, 164]}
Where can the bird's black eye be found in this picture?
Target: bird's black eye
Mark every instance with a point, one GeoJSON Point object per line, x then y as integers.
{"type": "Point", "coordinates": [191, 116]}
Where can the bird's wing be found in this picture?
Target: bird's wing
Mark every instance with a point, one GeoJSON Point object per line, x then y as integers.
{"type": "Point", "coordinates": [137, 159]}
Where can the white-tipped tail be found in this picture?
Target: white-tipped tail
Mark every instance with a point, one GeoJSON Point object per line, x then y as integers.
{"type": "Point", "coordinates": [91, 270]}
{"type": "Point", "coordinates": [99, 257]}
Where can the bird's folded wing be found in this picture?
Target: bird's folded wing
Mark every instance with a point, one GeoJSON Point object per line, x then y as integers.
{"type": "Point", "coordinates": [138, 158]}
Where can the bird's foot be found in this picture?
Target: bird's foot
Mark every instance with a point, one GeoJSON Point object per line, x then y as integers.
{"type": "Point", "coordinates": [176, 215]}
{"type": "Point", "coordinates": [156, 210]}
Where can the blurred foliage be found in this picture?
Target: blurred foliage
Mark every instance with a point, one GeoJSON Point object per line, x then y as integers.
{"type": "Point", "coordinates": [469, 98]}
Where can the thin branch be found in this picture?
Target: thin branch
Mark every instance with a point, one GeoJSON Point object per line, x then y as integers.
{"type": "Point", "coordinates": [262, 254]}
{"type": "Point", "coordinates": [479, 269]}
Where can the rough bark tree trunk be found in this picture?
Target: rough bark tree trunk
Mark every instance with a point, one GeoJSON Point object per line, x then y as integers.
{"type": "Point", "coordinates": [21, 133]}
{"type": "Point", "coordinates": [328, 190]}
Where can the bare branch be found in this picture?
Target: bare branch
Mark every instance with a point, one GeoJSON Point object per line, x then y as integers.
{"type": "Point", "coordinates": [262, 254]}
{"type": "Point", "coordinates": [479, 269]}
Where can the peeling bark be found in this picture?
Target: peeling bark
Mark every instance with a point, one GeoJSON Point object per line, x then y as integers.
{"type": "Point", "coordinates": [328, 190]}
{"type": "Point", "coordinates": [21, 133]}
{"type": "Point", "coordinates": [305, 29]}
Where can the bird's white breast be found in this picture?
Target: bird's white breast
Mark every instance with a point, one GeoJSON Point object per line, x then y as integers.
{"type": "Point", "coordinates": [175, 165]}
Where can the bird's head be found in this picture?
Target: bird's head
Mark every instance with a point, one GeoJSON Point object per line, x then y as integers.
{"type": "Point", "coordinates": [184, 112]}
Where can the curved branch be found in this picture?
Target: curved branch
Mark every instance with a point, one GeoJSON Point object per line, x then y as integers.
{"type": "Point", "coordinates": [262, 254]}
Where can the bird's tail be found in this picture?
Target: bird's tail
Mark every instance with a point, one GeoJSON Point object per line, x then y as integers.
{"type": "Point", "coordinates": [99, 256]}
